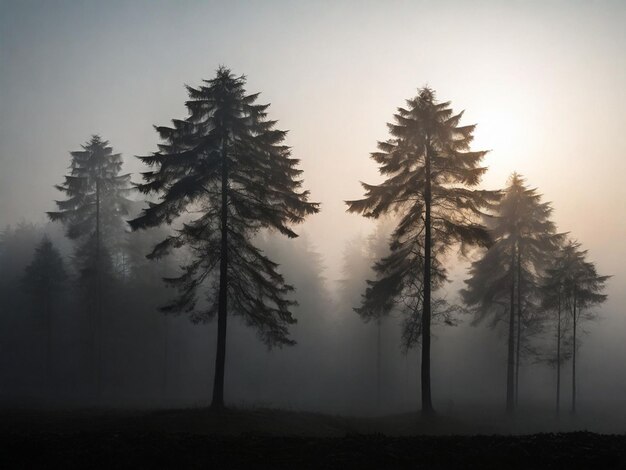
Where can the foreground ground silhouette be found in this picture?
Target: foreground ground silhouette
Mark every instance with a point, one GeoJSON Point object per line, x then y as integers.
{"type": "Point", "coordinates": [262, 438]}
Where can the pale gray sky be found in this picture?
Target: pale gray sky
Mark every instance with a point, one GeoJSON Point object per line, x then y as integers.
{"type": "Point", "coordinates": [544, 80]}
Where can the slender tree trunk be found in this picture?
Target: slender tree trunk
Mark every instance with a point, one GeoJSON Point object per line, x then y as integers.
{"type": "Point", "coordinates": [574, 356]}
{"type": "Point", "coordinates": [165, 376]}
{"type": "Point", "coordinates": [407, 395]}
{"type": "Point", "coordinates": [519, 322]}
{"type": "Point", "coordinates": [378, 353]}
{"type": "Point", "coordinates": [510, 364]}
{"type": "Point", "coordinates": [98, 323]}
{"type": "Point", "coordinates": [48, 341]}
{"type": "Point", "coordinates": [427, 405]}
{"type": "Point", "coordinates": [558, 359]}
{"type": "Point", "coordinates": [220, 357]}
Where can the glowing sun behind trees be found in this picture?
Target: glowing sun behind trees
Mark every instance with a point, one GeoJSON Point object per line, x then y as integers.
{"type": "Point", "coordinates": [429, 168]}
{"type": "Point", "coordinates": [228, 163]}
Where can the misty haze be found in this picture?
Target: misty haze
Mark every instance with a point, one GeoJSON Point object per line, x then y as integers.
{"type": "Point", "coordinates": [312, 234]}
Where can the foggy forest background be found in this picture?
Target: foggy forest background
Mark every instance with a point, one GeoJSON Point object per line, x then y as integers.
{"type": "Point", "coordinates": [340, 363]}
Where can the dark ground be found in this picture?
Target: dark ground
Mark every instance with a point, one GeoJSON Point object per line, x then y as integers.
{"type": "Point", "coordinates": [261, 438]}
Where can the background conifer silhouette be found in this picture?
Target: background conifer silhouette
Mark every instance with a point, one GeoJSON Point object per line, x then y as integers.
{"type": "Point", "coordinates": [506, 279]}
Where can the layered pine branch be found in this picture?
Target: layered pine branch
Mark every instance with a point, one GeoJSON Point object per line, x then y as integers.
{"type": "Point", "coordinates": [94, 189]}
{"type": "Point", "coordinates": [423, 130]}
{"type": "Point", "coordinates": [226, 154]}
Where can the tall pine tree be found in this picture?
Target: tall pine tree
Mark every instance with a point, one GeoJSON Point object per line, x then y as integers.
{"type": "Point", "coordinates": [505, 280]}
{"type": "Point", "coordinates": [553, 301]}
{"type": "Point", "coordinates": [581, 288]}
{"type": "Point", "coordinates": [228, 165]}
{"type": "Point", "coordinates": [93, 215]}
{"type": "Point", "coordinates": [430, 169]}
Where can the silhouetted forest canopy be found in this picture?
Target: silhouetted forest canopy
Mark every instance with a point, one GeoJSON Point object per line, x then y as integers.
{"type": "Point", "coordinates": [124, 297]}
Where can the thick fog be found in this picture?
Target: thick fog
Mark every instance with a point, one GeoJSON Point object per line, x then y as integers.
{"type": "Point", "coordinates": [545, 84]}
